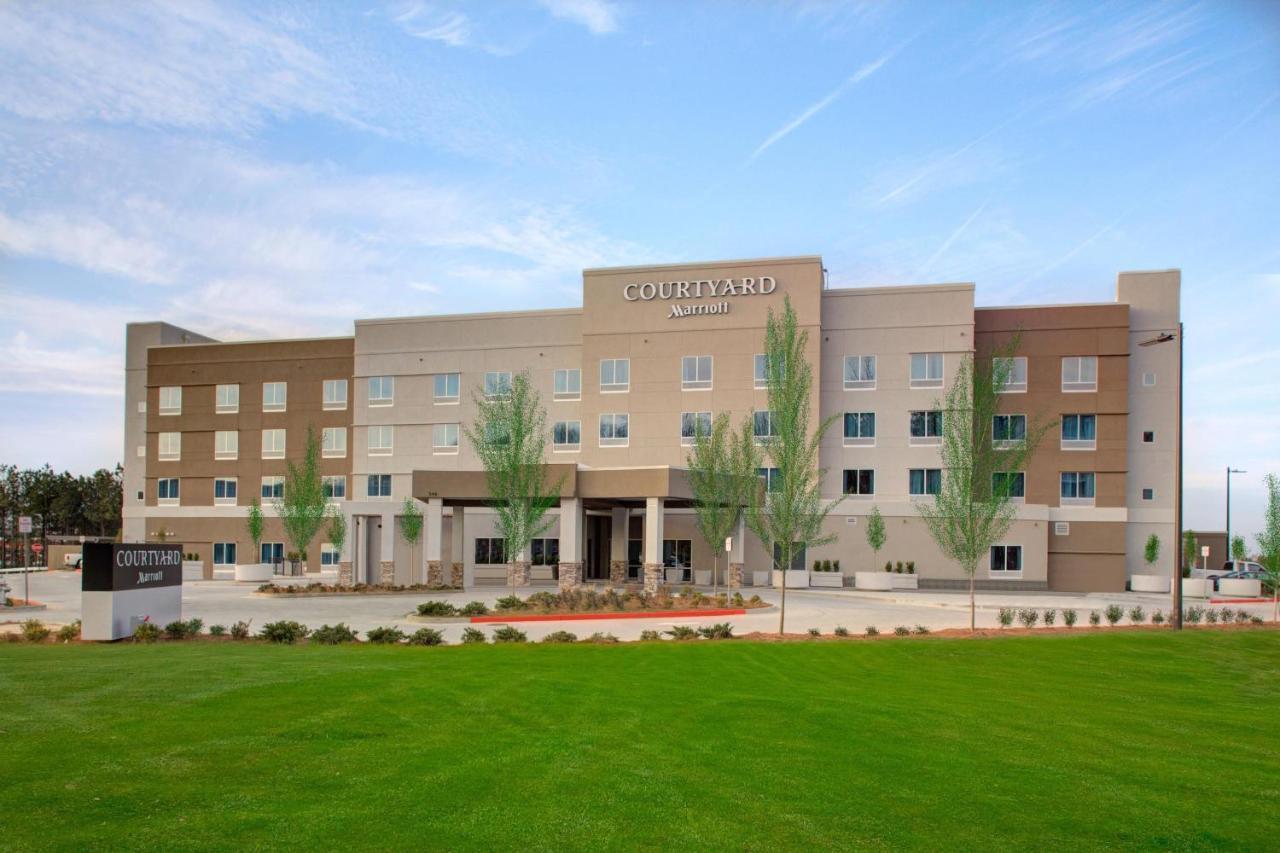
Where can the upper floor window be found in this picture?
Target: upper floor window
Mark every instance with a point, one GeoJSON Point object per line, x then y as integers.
{"type": "Point", "coordinates": [226, 444]}
{"type": "Point", "coordinates": [444, 438]}
{"type": "Point", "coordinates": [272, 488]}
{"type": "Point", "coordinates": [926, 427]}
{"type": "Point", "coordinates": [167, 490]}
{"type": "Point", "coordinates": [1080, 373]}
{"type": "Point", "coordinates": [1012, 372]}
{"type": "Point", "coordinates": [224, 491]}
{"type": "Point", "coordinates": [226, 399]}
{"type": "Point", "coordinates": [924, 481]}
{"type": "Point", "coordinates": [274, 396]}
{"type": "Point", "coordinates": [378, 486]}
{"type": "Point", "coordinates": [1008, 430]}
{"type": "Point", "coordinates": [566, 435]}
{"type": "Point", "coordinates": [859, 481]}
{"type": "Point", "coordinates": [497, 384]}
{"type": "Point", "coordinates": [170, 446]}
{"type": "Point", "coordinates": [695, 372]}
{"type": "Point", "coordinates": [1077, 488]}
{"type": "Point", "coordinates": [615, 375]}
{"type": "Point", "coordinates": [693, 425]}
{"type": "Point", "coordinates": [772, 478]}
{"type": "Point", "coordinates": [335, 394]}
{"type": "Point", "coordinates": [1079, 432]}
{"type": "Point", "coordinates": [333, 442]}
{"type": "Point", "coordinates": [171, 400]}
{"type": "Point", "coordinates": [859, 429]}
{"type": "Point", "coordinates": [1013, 484]}
{"type": "Point", "coordinates": [445, 387]}
{"type": "Point", "coordinates": [380, 441]}
{"type": "Point", "coordinates": [335, 486]}
{"type": "Point", "coordinates": [763, 427]}
{"type": "Point", "coordinates": [615, 430]}
{"type": "Point", "coordinates": [273, 444]}
{"type": "Point", "coordinates": [926, 370]}
{"type": "Point", "coordinates": [859, 372]}
{"type": "Point", "coordinates": [568, 384]}
{"type": "Point", "coordinates": [382, 390]}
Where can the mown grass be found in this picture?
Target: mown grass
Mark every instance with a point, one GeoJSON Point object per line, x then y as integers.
{"type": "Point", "coordinates": [1129, 740]}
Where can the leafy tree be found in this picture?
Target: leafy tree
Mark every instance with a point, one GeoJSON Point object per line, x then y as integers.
{"type": "Point", "coordinates": [1151, 553]}
{"type": "Point", "coordinates": [1269, 542]}
{"type": "Point", "coordinates": [875, 534]}
{"type": "Point", "coordinates": [719, 491]}
{"type": "Point", "coordinates": [1190, 550]}
{"type": "Point", "coordinates": [303, 507]}
{"type": "Point", "coordinates": [509, 436]}
{"type": "Point", "coordinates": [1238, 547]}
{"type": "Point", "coordinates": [255, 525]}
{"type": "Point", "coordinates": [974, 507]}
{"type": "Point", "coordinates": [791, 513]}
{"type": "Point", "coordinates": [410, 523]}
{"type": "Point", "coordinates": [337, 530]}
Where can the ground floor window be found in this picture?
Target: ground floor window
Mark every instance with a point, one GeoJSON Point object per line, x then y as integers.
{"type": "Point", "coordinates": [490, 551]}
{"type": "Point", "coordinates": [797, 557]}
{"type": "Point", "coordinates": [272, 552]}
{"type": "Point", "coordinates": [859, 481]}
{"type": "Point", "coordinates": [1006, 558]}
{"type": "Point", "coordinates": [328, 555]}
{"type": "Point", "coordinates": [224, 553]}
{"type": "Point", "coordinates": [677, 553]}
{"type": "Point", "coordinates": [544, 552]}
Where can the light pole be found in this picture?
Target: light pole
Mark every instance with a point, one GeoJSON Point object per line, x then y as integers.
{"type": "Point", "coordinates": [1176, 621]}
{"type": "Point", "coordinates": [1230, 471]}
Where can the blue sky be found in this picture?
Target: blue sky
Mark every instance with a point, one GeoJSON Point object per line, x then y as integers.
{"type": "Point", "coordinates": [267, 170]}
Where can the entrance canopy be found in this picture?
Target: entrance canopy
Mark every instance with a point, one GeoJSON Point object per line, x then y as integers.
{"type": "Point", "coordinates": [597, 488]}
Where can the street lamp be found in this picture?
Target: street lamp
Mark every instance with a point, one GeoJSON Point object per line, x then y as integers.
{"type": "Point", "coordinates": [1176, 621]}
{"type": "Point", "coordinates": [1230, 471]}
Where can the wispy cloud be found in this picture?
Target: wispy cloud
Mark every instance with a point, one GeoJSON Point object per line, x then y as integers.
{"type": "Point", "coordinates": [946, 244]}
{"type": "Point", "coordinates": [599, 16]}
{"type": "Point", "coordinates": [937, 166]}
{"type": "Point", "coordinates": [86, 241]}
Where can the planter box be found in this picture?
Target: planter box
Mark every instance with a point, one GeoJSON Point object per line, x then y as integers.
{"type": "Point", "coordinates": [541, 573]}
{"type": "Point", "coordinates": [898, 581]}
{"type": "Point", "coordinates": [873, 580]}
{"type": "Point", "coordinates": [795, 579]}
{"type": "Point", "coordinates": [759, 578]}
{"type": "Point", "coordinates": [256, 572]}
{"type": "Point", "coordinates": [192, 570]}
{"type": "Point", "coordinates": [827, 579]}
{"type": "Point", "coordinates": [702, 577]}
{"type": "Point", "coordinates": [1196, 587]}
{"type": "Point", "coordinates": [1242, 587]}
{"type": "Point", "coordinates": [674, 575]}
{"type": "Point", "coordinates": [1149, 583]}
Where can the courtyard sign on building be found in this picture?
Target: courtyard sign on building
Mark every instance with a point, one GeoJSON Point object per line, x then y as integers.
{"type": "Point", "coordinates": [700, 289]}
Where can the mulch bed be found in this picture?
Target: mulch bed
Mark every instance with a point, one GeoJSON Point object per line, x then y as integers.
{"type": "Point", "coordinates": [981, 633]}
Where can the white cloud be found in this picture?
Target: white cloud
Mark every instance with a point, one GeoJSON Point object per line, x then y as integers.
{"type": "Point", "coordinates": [599, 16]}
{"type": "Point", "coordinates": [86, 241]}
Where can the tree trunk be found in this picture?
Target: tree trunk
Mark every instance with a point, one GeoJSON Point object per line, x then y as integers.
{"type": "Point", "coordinates": [972, 606]}
{"type": "Point", "coordinates": [782, 608]}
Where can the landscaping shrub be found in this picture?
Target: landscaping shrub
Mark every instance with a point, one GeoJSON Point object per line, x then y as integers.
{"type": "Point", "coordinates": [69, 632]}
{"type": "Point", "coordinates": [1095, 618]}
{"type": "Point", "coordinates": [560, 637]}
{"type": "Point", "coordinates": [217, 630]}
{"type": "Point", "coordinates": [175, 631]}
{"type": "Point", "coordinates": [814, 632]}
{"type": "Point", "coordinates": [922, 629]}
{"type": "Point", "coordinates": [384, 636]}
{"type": "Point", "coordinates": [1256, 620]}
{"type": "Point", "coordinates": [682, 632]}
{"type": "Point", "coordinates": [240, 631]}
{"type": "Point", "coordinates": [1243, 616]}
{"type": "Point", "coordinates": [1137, 615]}
{"type": "Point", "coordinates": [901, 631]}
{"type": "Point", "coordinates": [1193, 615]}
{"type": "Point", "coordinates": [547, 600]}
{"type": "Point", "coordinates": [1005, 616]}
{"type": "Point", "coordinates": [897, 568]}
{"type": "Point", "coordinates": [440, 608]}
{"type": "Point", "coordinates": [599, 637]}
{"type": "Point", "coordinates": [509, 602]}
{"type": "Point", "coordinates": [738, 600]}
{"type": "Point", "coordinates": [146, 632]}
{"type": "Point", "coordinates": [284, 631]}
{"type": "Point", "coordinates": [872, 631]}
{"type": "Point", "coordinates": [35, 631]}
{"type": "Point", "coordinates": [426, 637]}
{"type": "Point", "coordinates": [755, 601]}
{"type": "Point", "coordinates": [1028, 616]}
{"type": "Point", "coordinates": [1211, 616]}
{"type": "Point", "coordinates": [473, 635]}
{"type": "Point", "coordinates": [1069, 617]}
{"type": "Point", "coordinates": [1114, 614]}
{"type": "Point", "coordinates": [911, 567]}
{"type": "Point", "coordinates": [718, 631]}
{"type": "Point", "coordinates": [332, 635]}
{"type": "Point", "coordinates": [1157, 617]}
{"type": "Point", "coordinates": [1050, 616]}
{"type": "Point", "coordinates": [648, 634]}
{"type": "Point", "coordinates": [888, 566]}
{"type": "Point", "coordinates": [509, 634]}
{"type": "Point", "coordinates": [842, 631]}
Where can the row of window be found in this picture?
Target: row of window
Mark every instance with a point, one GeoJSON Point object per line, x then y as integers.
{"type": "Point", "coordinates": [224, 553]}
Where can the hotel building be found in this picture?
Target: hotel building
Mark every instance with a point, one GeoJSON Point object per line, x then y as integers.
{"type": "Point", "coordinates": [624, 380]}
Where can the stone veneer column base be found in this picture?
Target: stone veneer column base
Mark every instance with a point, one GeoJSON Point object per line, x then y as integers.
{"type": "Point", "coordinates": [345, 575]}
{"type": "Point", "coordinates": [518, 573]}
{"type": "Point", "coordinates": [570, 575]}
{"type": "Point", "coordinates": [617, 572]}
{"type": "Point", "coordinates": [456, 575]}
{"type": "Point", "coordinates": [735, 575]}
{"type": "Point", "coordinates": [435, 577]}
{"type": "Point", "coordinates": [387, 572]}
{"type": "Point", "coordinates": [652, 576]}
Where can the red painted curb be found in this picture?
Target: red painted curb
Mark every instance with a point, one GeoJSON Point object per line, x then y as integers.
{"type": "Point", "coordinates": [1240, 601]}
{"type": "Point", "coordinates": [622, 614]}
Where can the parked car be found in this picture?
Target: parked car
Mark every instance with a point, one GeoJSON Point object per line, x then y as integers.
{"type": "Point", "coordinates": [1257, 574]}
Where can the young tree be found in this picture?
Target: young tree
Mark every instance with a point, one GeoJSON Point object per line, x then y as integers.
{"type": "Point", "coordinates": [1151, 553]}
{"type": "Point", "coordinates": [875, 534]}
{"type": "Point", "coordinates": [255, 525]}
{"type": "Point", "coordinates": [719, 490]}
{"type": "Point", "coordinates": [304, 506]}
{"type": "Point", "coordinates": [411, 528]}
{"type": "Point", "coordinates": [1190, 550]}
{"type": "Point", "coordinates": [337, 530]}
{"type": "Point", "coordinates": [791, 514]}
{"type": "Point", "coordinates": [974, 507]}
{"type": "Point", "coordinates": [1269, 543]}
{"type": "Point", "coordinates": [509, 436]}
{"type": "Point", "coordinates": [1238, 547]}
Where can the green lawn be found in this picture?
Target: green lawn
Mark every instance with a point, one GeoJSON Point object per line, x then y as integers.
{"type": "Point", "coordinates": [1133, 740]}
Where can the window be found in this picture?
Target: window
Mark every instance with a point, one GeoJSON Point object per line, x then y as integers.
{"type": "Point", "coordinates": [335, 486]}
{"type": "Point", "coordinates": [926, 427]}
{"type": "Point", "coordinates": [329, 555]}
{"type": "Point", "coordinates": [274, 396]}
{"type": "Point", "coordinates": [1148, 437]}
{"type": "Point", "coordinates": [615, 375]}
{"type": "Point", "coordinates": [271, 553]}
{"type": "Point", "coordinates": [224, 553]}
{"type": "Point", "coordinates": [272, 488]}
{"type": "Point", "coordinates": [859, 372]}
{"type": "Point", "coordinates": [566, 435]}
{"type": "Point", "coordinates": [380, 440]}
{"type": "Point", "coordinates": [171, 400]}
{"type": "Point", "coordinates": [224, 491]}
{"type": "Point", "coordinates": [1080, 373]}
{"type": "Point", "coordinates": [1006, 559]}
{"type": "Point", "coordinates": [167, 490]}
{"type": "Point", "coordinates": [761, 372]}
{"type": "Point", "coordinates": [859, 429]}
{"type": "Point", "coordinates": [444, 438]}
{"type": "Point", "coordinates": [924, 481]}
{"type": "Point", "coordinates": [379, 486]}
{"type": "Point", "coordinates": [333, 442]}
{"type": "Point", "coordinates": [859, 481]}
{"type": "Point", "coordinates": [490, 551]}
{"type": "Point", "coordinates": [926, 370]}
{"type": "Point", "coordinates": [614, 430]}
{"type": "Point", "coordinates": [226, 444]}
{"type": "Point", "coordinates": [695, 372]}
{"type": "Point", "coordinates": [497, 384]}
{"type": "Point", "coordinates": [335, 394]}
{"type": "Point", "coordinates": [1079, 432]}
{"type": "Point", "coordinates": [694, 424]}
{"type": "Point", "coordinates": [445, 389]}
{"type": "Point", "coordinates": [382, 390]}
{"type": "Point", "coordinates": [227, 402]}
{"type": "Point", "coordinates": [1077, 488]}
{"type": "Point", "coordinates": [762, 427]}
{"type": "Point", "coordinates": [677, 553]}
{"type": "Point", "coordinates": [273, 444]}
{"type": "Point", "coordinates": [1008, 430]}
{"type": "Point", "coordinates": [1148, 494]}
{"type": "Point", "coordinates": [772, 479]}
{"type": "Point", "coordinates": [1013, 484]}
{"type": "Point", "coordinates": [170, 446]}
{"type": "Point", "coordinates": [544, 552]}
{"type": "Point", "coordinates": [568, 384]}
{"type": "Point", "coordinates": [1014, 371]}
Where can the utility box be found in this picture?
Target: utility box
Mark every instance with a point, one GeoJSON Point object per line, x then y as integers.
{"type": "Point", "coordinates": [123, 585]}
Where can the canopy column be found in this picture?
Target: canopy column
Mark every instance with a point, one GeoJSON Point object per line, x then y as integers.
{"type": "Point", "coordinates": [653, 512]}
